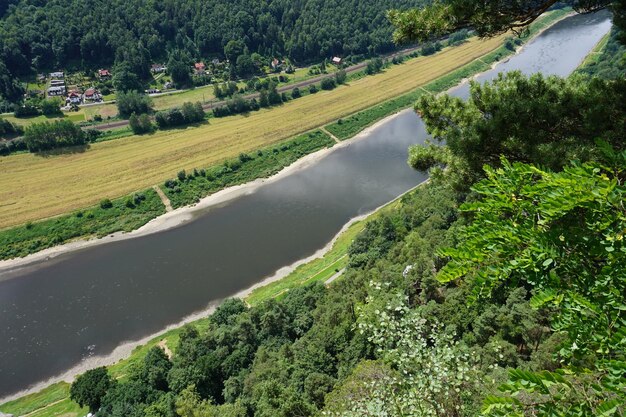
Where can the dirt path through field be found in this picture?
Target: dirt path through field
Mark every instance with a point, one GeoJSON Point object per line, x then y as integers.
{"type": "Point", "coordinates": [166, 201]}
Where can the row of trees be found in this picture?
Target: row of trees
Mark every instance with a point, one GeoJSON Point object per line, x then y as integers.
{"type": "Point", "coordinates": [187, 114]}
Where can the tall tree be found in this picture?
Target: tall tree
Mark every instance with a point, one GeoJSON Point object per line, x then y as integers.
{"type": "Point", "coordinates": [90, 387]}
{"type": "Point", "coordinates": [179, 67]}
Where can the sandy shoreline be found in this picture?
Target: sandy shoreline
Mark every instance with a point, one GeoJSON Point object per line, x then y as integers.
{"type": "Point", "coordinates": [184, 214]}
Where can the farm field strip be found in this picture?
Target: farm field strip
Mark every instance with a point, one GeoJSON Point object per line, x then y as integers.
{"type": "Point", "coordinates": [33, 187]}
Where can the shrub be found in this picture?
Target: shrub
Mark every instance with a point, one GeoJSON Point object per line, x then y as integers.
{"type": "Point", "coordinates": [8, 129]}
{"type": "Point", "coordinates": [133, 102]}
{"type": "Point", "coordinates": [140, 124]}
{"type": "Point", "coordinates": [46, 135]}
{"type": "Point", "coordinates": [374, 66]}
{"type": "Point", "coordinates": [313, 89]}
{"type": "Point", "coordinates": [91, 135]}
{"type": "Point", "coordinates": [340, 76]}
{"type": "Point", "coordinates": [181, 175]}
{"type": "Point", "coordinates": [328, 84]}
{"type": "Point", "coordinates": [28, 109]}
{"type": "Point", "coordinates": [106, 204]}
{"type": "Point", "coordinates": [509, 44]}
{"type": "Point", "coordinates": [295, 93]}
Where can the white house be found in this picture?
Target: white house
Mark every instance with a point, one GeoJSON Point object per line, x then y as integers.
{"type": "Point", "coordinates": [56, 90]}
{"type": "Point", "coordinates": [59, 75]}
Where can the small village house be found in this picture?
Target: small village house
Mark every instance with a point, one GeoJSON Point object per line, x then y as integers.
{"type": "Point", "coordinates": [199, 67]}
{"type": "Point", "coordinates": [104, 74]}
{"type": "Point", "coordinates": [92, 95]}
{"type": "Point", "coordinates": [58, 90]}
{"type": "Point", "coordinates": [73, 98]}
{"type": "Point", "coordinates": [158, 68]}
{"type": "Point", "coordinates": [336, 60]}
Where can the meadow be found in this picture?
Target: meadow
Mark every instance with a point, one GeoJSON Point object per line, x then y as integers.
{"type": "Point", "coordinates": [34, 187]}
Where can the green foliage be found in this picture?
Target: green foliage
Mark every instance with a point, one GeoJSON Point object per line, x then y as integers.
{"type": "Point", "coordinates": [433, 373]}
{"type": "Point", "coordinates": [133, 102]}
{"type": "Point", "coordinates": [49, 135]}
{"type": "Point", "coordinates": [9, 130]}
{"type": "Point", "coordinates": [190, 189]}
{"type": "Point", "coordinates": [28, 108]}
{"type": "Point", "coordinates": [125, 79]}
{"type": "Point", "coordinates": [374, 66]}
{"type": "Point", "coordinates": [51, 107]}
{"type": "Point", "coordinates": [546, 120]}
{"type": "Point", "coordinates": [10, 87]}
{"type": "Point", "coordinates": [187, 114]}
{"type": "Point", "coordinates": [487, 18]}
{"type": "Point", "coordinates": [140, 124]}
{"type": "Point", "coordinates": [610, 62]}
{"type": "Point", "coordinates": [328, 84]}
{"type": "Point", "coordinates": [89, 388]}
{"type": "Point", "coordinates": [561, 235]}
{"type": "Point", "coordinates": [179, 67]}
{"type": "Point", "coordinates": [93, 221]}
{"type": "Point", "coordinates": [341, 76]}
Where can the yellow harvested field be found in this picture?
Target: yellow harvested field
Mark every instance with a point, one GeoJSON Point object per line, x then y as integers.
{"type": "Point", "coordinates": [34, 187]}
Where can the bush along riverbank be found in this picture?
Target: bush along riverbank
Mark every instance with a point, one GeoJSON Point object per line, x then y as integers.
{"type": "Point", "coordinates": [189, 187]}
{"type": "Point", "coordinates": [122, 214]}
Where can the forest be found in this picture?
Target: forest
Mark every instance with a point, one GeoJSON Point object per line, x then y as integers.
{"type": "Point", "coordinates": [40, 36]}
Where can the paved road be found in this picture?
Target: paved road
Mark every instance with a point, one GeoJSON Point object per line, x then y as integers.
{"type": "Point", "coordinates": [282, 89]}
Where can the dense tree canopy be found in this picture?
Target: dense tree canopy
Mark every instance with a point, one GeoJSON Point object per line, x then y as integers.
{"type": "Point", "coordinates": [80, 33]}
{"type": "Point", "coordinates": [548, 121]}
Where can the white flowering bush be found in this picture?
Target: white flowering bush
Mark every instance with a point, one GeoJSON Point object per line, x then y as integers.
{"type": "Point", "coordinates": [434, 373]}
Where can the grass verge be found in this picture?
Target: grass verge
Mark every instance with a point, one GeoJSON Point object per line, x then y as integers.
{"type": "Point", "coordinates": [247, 167]}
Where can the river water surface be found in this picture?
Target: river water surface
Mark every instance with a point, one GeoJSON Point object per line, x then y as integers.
{"type": "Point", "coordinates": [88, 302]}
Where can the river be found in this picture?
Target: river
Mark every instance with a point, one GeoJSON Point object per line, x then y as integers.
{"type": "Point", "coordinates": [84, 304]}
